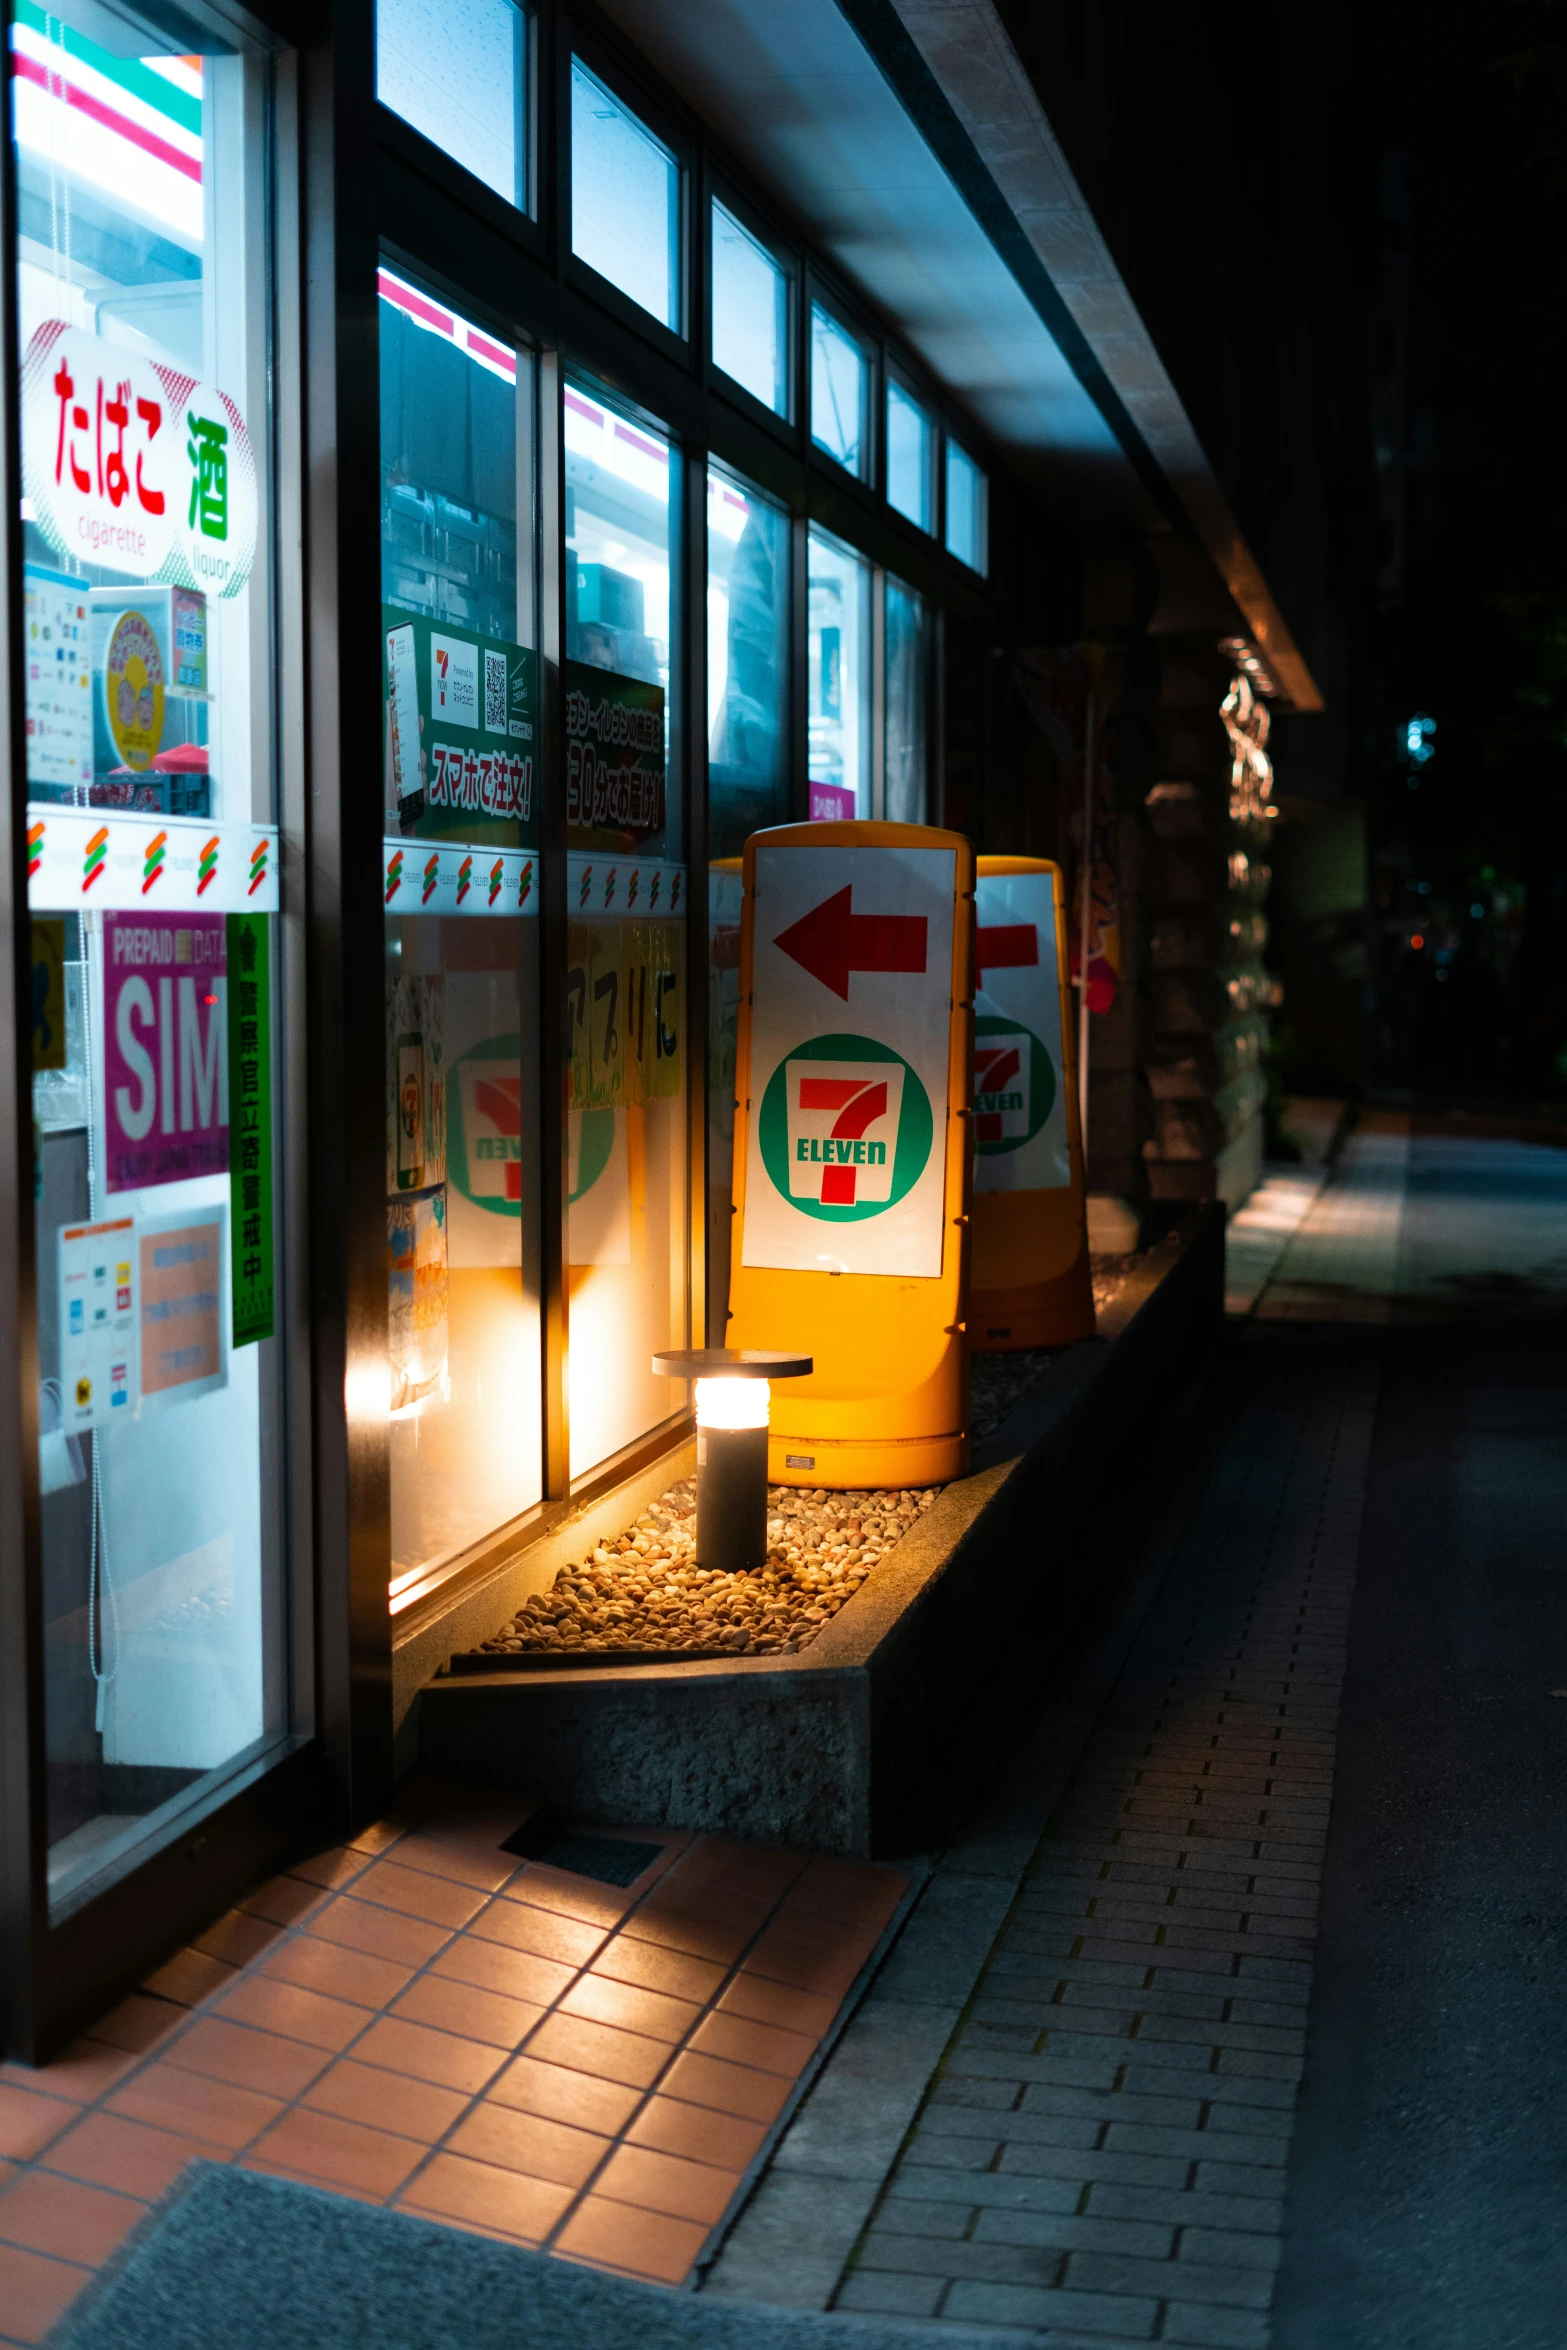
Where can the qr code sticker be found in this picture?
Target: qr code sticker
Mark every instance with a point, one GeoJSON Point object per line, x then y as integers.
{"type": "Point", "coordinates": [494, 693]}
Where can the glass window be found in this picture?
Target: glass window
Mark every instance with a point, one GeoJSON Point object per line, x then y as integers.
{"type": "Point", "coordinates": [750, 313]}
{"type": "Point", "coordinates": [967, 509]}
{"type": "Point", "coordinates": [625, 199]}
{"type": "Point", "coordinates": [143, 270]}
{"type": "Point", "coordinates": [840, 379]}
{"type": "Point", "coordinates": [460, 76]}
{"type": "Point", "coordinates": [626, 897]}
{"type": "Point", "coordinates": [747, 623]}
{"type": "Point", "coordinates": [908, 457]}
{"type": "Point", "coordinates": [839, 611]}
{"type": "Point", "coordinates": [905, 796]}
{"type": "Point", "coordinates": [460, 705]}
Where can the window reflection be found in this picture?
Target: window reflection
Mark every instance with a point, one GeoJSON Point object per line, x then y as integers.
{"type": "Point", "coordinates": [626, 902]}
{"type": "Point", "coordinates": [747, 618]}
{"type": "Point", "coordinates": [461, 825]}
{"type": "Point", "coordinates": [142, 273]}
{"type": "Point", "coordinates": [906, 796]}
{"type": "Point", "coordinates": [840, 681]}
{"type": "Point", "coordinates": [839, 379]}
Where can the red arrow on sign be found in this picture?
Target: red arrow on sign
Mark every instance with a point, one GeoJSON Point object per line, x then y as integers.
{"type": "Point", "coordinates": [1008, 946]}
{"type": "Point", "coordinates": [832, 940]}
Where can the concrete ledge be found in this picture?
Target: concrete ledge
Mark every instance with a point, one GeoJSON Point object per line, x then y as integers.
{"type": "Point", "coordinates": [876, 1736]}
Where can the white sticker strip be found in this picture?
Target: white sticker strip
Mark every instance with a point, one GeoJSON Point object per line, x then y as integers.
{"type": "Point", "coordinates": [188, 864]}
{"type": "Point", "coordinates": [454, 877]}
{"type": "Point", "coordinates": [639, 888]}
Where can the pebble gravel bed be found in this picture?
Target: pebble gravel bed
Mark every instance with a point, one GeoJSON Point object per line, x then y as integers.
{"type": "Point", "coordinates": [997, 1380]}
{"type": "Point", "coordinates": [645, 1590]}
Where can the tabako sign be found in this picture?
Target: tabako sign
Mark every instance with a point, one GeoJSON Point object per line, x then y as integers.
{"type": "Point", "coordinates": [134, 465]}
{"type": "Point", "coordinates": [850, 1021]}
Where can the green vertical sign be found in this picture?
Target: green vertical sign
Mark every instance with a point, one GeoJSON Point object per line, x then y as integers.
{"type": "Point", "coordinates": [250, 1126]}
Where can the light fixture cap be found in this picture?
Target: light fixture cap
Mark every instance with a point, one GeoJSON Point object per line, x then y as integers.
{"type": "Point", "coordinates": [730, 1362]}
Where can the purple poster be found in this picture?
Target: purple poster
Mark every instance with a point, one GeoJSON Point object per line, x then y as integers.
{"type": "Point", "coordinates": [165, 1059]}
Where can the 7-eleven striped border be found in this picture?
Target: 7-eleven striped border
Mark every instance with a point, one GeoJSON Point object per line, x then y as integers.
{"type": "Point", "coordinates": [182, 864]}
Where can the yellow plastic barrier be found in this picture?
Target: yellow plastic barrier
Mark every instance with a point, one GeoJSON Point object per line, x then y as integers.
{"type": "Point", "coordinates": [1030, 1273]}
{"type": "Point", "coordinates": [852, 1160]}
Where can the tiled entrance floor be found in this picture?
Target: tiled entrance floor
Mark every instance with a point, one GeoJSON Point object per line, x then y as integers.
{"type": "Point", "coordinates": [420, 2019]}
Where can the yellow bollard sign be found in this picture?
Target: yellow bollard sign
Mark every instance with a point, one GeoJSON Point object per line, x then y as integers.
{"type": "Point", "coordinates": [1031, 1283]}
{"type": "Point", "coordinates": [851, 1145]}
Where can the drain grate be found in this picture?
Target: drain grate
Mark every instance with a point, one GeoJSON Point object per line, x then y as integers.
{"type": "Point", "coordinates": [608, 1860]}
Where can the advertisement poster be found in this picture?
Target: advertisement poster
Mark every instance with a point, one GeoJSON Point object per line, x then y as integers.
{"type": "Point", "coordinates": [98, 1324]}
{"type": "Point", "coordinates": [165, 1036]}
{"type": "Point", "coordinates": [183, 1264]}
{"type": "Point", "coordinates": [57, 630]}
{"type": "Point", "coordinates": [850, 1021]}
{"type": "Point", "coordinates": [1020, 1132]}
{"type": "Point", "coordinates": [460, 712]}
{"type": "Point", "coordinates": [416, 1287]}
{"type": "Point", "coordinates": [415, 1083]}
{"type": "Point", "coordinates": [250, 1089]}
{"type": "Point", "coordinates": [491, 1133]}
{"type": "Point", "coordinates": [830, 803]}
{"type": "Point", "coordinates": [48, 1005]}
{"type": "Point", "coordinates": [625, 988]}
{"type": "Point", "coordinates": [598, 1175]}
{"type": "Point", "coordinates": [614, 757]}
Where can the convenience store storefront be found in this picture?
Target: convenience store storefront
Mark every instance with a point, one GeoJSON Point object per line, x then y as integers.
{"type": "Point", "coordinates": [452, 505]}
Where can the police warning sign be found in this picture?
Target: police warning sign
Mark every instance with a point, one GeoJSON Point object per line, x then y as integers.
{"type": "Point", "coordinates": [850, 1027]}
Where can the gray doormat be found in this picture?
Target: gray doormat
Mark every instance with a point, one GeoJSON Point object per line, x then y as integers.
{"type": "Point", "coordinates": [232, 2260]}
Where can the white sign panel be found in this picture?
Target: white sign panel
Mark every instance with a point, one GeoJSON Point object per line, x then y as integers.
{"type": "Point", "coordinates": [99, 1324]}
{"type": "Point", "coordinates": [1020, 1131]}
{"type": "Point", "coordinates": [850, 1025]}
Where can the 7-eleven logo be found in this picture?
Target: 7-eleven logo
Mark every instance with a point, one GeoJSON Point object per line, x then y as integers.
{"type": "Point", "coordinates": [207, 865]}
{"type": "Point", "coordinates": [1001, 1070]}
{"type": "Point", "coordinates": [843, 1130]}
{"type": "Point", "coordinates": [492, 1133]}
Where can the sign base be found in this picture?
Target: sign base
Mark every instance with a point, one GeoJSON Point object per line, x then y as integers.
{"type": "Point", "coordinates": [1044, 1230]}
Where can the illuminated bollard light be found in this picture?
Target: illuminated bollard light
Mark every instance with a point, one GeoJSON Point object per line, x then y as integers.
{"type": "Point", "coordinates": [732, 1397]}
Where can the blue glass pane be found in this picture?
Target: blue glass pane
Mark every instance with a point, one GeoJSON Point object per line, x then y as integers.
{"type": "Point", "coordinates": [625, 199]}
{"type": "Point", "coordinates": [459, 75]}
{"type": "Point", "coordinates": [747, 621]}
{"type": "Point", "coordinates": [966, 509]}
{"type": "Point", "coordinates": [750, 313]}
{"type": "Point", "coordinates": [838, 380]}
{"type": "Point", "coordinates": [908, 457]}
